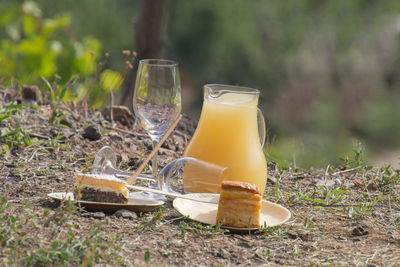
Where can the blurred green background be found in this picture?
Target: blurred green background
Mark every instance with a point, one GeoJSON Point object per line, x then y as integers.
{"type": "Point", "coordinates": [328, 70]}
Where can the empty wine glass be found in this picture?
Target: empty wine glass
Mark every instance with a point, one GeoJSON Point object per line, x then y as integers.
{"type": "Point", "coordinates": [191, 175]}
{"type": "Point", "coordinates": [157, 98]}
{"type": "Point", "coordinates": [183, 175]}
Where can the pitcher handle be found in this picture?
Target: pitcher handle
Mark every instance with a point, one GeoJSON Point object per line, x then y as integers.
{"type": "Point", "coordinates": [261, 126]}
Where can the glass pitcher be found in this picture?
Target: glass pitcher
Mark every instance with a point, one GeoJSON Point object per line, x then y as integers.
{"type": "Point", "coordinates": [230, 134]}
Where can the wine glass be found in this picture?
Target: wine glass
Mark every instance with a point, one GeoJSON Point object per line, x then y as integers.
{"type": "Point", "coordinates": [182, 175]}
{"type": "Point", "coordinates": [157, 98]}
{"type": "Point", "coordinates": [191, 175]}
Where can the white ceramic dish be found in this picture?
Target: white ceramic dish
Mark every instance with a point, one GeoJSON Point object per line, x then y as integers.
{"type": "Point", "coordinates": [272, 214]}
{"type": "Point", "coordinates": [134, 204]}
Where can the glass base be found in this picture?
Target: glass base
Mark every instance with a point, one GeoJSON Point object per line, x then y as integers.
{"type": "Point", "coordinates": [142, 177]}
{"type": "Point", "coordinates": [147, 195]}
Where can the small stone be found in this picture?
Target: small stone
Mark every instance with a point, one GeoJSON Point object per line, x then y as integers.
{"type": "Point", "coordinates": [260, 253]}
{"type": "Point", "coordinates": [179, 141]}
{"type": "Point", "coordinates": [164, 252]}
{"type": "Point", "coordinates": [31, 95]}
{"type": "Point", "coordinates": [115, 137]}
{"type": "Point", "coordinates": [223, 253]}
{"type": "Point", "coordinates": [272, 165]}
{"type": "Point", "coordinates": [372, 187]}
{"type": "Point", "coordinates": [292, 234]}
{"type": "Point", "coordinates": [271, 179]}
{"type": "Point", "coordinates": [121, 114]}
{"type": "Point", "coordinates": [327, 183]}
{"type": "Point", "coordinates": [126, 214]}
{"type": "Point", "coordinates": [178, 243]}
{"type": "Point", "coordinates": [96, 215]}
{"type": "Point", "coordinates": [244, 245]}
{"type": "Point", "coordinates": [92, 132]}
{"type": "Point", "coordinates": [348, 184]}
{"type": "Point", "coordinates": [359, 231]}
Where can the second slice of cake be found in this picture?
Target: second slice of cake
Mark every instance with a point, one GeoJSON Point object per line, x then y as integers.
{"type": "Point", "coordinates": [239, 204]}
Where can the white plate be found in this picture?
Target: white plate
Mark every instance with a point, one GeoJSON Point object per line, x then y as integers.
{"type": "Point", "coordinates": [134, 204]}
{"type": "Point", "coordinates": [272, 214]}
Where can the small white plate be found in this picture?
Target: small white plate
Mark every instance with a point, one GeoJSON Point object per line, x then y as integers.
{"type": "Point", "coordinates": [271, 214]}
{"type": "Point", "coordinates": [134, 204]}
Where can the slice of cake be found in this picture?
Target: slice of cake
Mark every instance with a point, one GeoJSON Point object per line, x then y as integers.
{"type": "Point", "coordinates": [239, 204]}
{"type": "Point", "coordinates": [100, 188]}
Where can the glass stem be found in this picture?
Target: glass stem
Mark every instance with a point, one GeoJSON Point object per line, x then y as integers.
{"type": "Point", "coordinates": [155, 160]}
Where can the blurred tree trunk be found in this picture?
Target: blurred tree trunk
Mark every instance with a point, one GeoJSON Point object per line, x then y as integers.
{"type": "Point", "coordinates": [149, 32]}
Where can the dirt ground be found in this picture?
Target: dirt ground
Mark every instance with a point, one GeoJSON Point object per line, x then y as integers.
{"type": "Point", "coordinates": [345, 216]}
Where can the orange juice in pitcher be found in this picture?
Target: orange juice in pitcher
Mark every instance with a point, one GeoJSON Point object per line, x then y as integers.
{"type": "Point", "coordinates": [228, 134]}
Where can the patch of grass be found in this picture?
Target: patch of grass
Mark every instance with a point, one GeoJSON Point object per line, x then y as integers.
{"type": "Point", "coordinates": [87, 251]}
{"type": "Point", "coordinates": [361, 211]}
{"type": "Point", "coordinates": [364, 209]}
{"type": "Point", "coordinates": [388, 179]}
{"type": "Point", "coordinates": [308, 221]}
{"type": "Point", "coordinates": [275, 232]}
{"type": "Point", "coordinates": [57, 98]}
{"type": "Point", "coordinates": [199, 228]}
{"type": "Point", "coordinates": [396, 204]}
{"type": "Point", "coordinates": [11, 228]}
{"type": "Point", "coordinates": [396, 201]}
{"type": "Point", "coordinates": [357, 160]}
{"type": "Point", "coordinates": [275, 192]}
{"type": "Point", "coordinates": [12, 135]}
{"type": "Point", "coordinates": [30, 238]}
{"type": "Point", "coordinates": [326, 196]}
{"type": "Point", "coordinates": [158, 215]}
{"type": "Point", "coordinates": [267, 254]}
{"type": "Point", "coordinates": [147, 256]}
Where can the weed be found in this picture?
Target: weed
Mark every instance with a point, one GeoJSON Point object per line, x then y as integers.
{"type": "Point", "coordinates": [397, 220]}
{"type": "Point", "coordinates": [275, 191]}
{"type": "Point", "coordinates": [158, 215]}
{"type": "Point", "coordinates": [267, 254]}
{"type": "Point", "coordinates": [363, 210]}
{"type": "Point", "coordinates": [307, 222]}
{"type": "Point", "coordinates": [61, 214]}
{"type": "Point", "coordinates": [396, 201]}
{"type": "Point", "coordinates": [389, 178]}
{"type": "Point", "coordinates": [327, 196]}
{"type": "Point", "coordinates": [199, 228]}
{"type": "Point", "coordinates": [275, 232]}
{"type": "Point", "coordinates": [12, 135]}
{"type": "Point", "coordinates": [357, 161]}
{"type": "Point", "coordinates": [147, 256]}
{"type": "Point", "coordinates": [295, 197]}
{"type": "Point", "coordinates": [10, 227]}
{"type": "Point", "coordinates": [57, 115]}
{"type": "Point", "coordinates": [360, 211]}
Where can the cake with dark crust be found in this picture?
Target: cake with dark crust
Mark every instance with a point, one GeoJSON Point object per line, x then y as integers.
{"type": "Point", "coordinates": [100, 188]}
{"type": "Point", "coordinates": [239, 205]}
